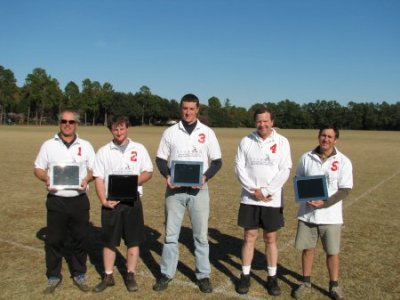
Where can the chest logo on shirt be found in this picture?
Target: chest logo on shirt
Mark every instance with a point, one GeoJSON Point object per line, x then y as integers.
{"type": "Point", "coordinates": [79, 151]}
{"type": "Point", "coordinates": [335, 165]}
{"type": "Point", "coordinates": [273, 148]}
{"type": "Point", "coordinates": [202, 138]}
{"type": "Point", "coordinates": [134, 156]}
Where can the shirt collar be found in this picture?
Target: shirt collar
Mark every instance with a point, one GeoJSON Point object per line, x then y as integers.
{"type": "Point", "coordinates": [113, 146]}
{"type": "Point", "coordinates": [74, 141]}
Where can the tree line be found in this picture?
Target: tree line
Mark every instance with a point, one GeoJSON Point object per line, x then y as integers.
{"type": "Point", "coordinates": [40, 99]}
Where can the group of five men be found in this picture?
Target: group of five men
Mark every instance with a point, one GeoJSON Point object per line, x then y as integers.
{"type": "Point", "coordinates": [262, 166]}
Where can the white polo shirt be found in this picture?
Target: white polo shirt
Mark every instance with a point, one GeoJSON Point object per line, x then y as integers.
{"type": "Point", "coordinates": [111, 160]}
{"type": "Point", "coordinates": [339, 173]}
{"type": "Point", "coordinates": [54, 151]}
{"type": "Point", "coordinates": [201, 145]}
{"type": "Point", "coordinates": [263, 164]}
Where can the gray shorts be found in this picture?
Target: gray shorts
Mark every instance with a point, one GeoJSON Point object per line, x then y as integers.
{"type": "Point", "coordinates": [308, 234]}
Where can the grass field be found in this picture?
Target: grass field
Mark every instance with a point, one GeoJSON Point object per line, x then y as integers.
{"type": "Point", "coordinates": [370, 264]}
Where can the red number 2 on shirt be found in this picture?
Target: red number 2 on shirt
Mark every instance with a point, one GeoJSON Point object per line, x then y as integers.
{"type": "Point", "coordinates": [133, 156]}
{"type": "Point", "coordinates": [273, 148]}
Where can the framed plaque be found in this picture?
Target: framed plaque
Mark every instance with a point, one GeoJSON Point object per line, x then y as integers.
{"type": "Point", "coordinates": [309, 188]}
{"type": "Point", "coordinates": [187, 173]}
{"type": "Point", "coordinates": [65, 176]}
{"type": "Point", "coordinates": [122, 188]}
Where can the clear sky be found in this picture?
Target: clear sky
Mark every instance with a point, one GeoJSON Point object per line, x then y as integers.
{"type": "Point", "coordinates": [247, 51]}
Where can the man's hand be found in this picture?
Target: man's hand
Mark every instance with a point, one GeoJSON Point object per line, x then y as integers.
{"type": "Point", "coordinates": [316, 203]}
{"type": "Point", "coordinates": [84, 184]}
{"type": "Point", "coordinates": [110, 203]}
{"type": "Point", "coordinates": [260, 196]}
{"type": "Point", "coordinates": [170, 185]}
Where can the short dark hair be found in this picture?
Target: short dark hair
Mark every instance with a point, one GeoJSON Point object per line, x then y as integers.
{"type": "Point", "coordinates": [329, 126]}
{"type": "Point", "coordinates": [262, 110]}
{"type": "Point", "coordinates": [117, 119]}
{"type": "Point", "coordinates": [190, 98]}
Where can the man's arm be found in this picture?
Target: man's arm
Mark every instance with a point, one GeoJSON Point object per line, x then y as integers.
{"type": "Point", "coordinates": [341, 194]}
{"type": "Point", "coordinates": [215, 166]}
{"type": "Point", "coordinates": [101, 193]}
{"type": "Point", "coordinates": [144, 177]}
{"type": "Point", "coordinates": [42, 175]}
{"type": "Point", "coordinates": [162, 166]}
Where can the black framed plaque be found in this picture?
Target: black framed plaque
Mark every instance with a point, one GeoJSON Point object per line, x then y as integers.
{"type": "Point", "coordinates": [122, 188]}
{"type": "Point", "coordinates": [309, 188]}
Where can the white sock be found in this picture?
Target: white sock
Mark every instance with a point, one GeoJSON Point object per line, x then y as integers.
{"type": "Point", "coordinates": [108, 272]}
{"type": "Point", "coordinates": [271, 271]}
{"type": "Point", "coordinates": [246, 270]}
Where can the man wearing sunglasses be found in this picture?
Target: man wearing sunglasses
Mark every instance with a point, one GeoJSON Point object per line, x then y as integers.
{"type": "Point", "coordinates": [67, 207]}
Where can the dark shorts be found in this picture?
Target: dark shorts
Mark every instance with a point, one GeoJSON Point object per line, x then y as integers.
{"type": "Point", "coordinates": [253, 217]}
{"type": "Point", "coordinates": [124, 221]}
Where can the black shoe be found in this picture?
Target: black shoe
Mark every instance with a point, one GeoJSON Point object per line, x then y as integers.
{"type": "Point", "coordinates": [272, 286]}
{"type": "Point", "coordinates": [205, 285]}
{"type": "Point", "coordinates": [161, 283]}
{"type": "Point", "coordinates": [108, 280]}
{"type": "Point", "coordinates": [52, 284]}
{"type": "Point", "coordinates": [80, 282]}
{"type": "Point", "coordinates": [243, 284]}
{"type": "Point", "coordinates": [130, 281]}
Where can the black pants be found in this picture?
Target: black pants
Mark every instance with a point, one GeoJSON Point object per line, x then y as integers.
{"type": "Point", "coordinates": [67, 228]}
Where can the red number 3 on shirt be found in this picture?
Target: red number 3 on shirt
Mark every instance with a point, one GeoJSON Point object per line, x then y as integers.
{"type": "Point", "coordinates": [202, 138]}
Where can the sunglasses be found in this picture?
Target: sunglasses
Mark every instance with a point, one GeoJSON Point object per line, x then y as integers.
{"type": "Point", "coordinates": [68, 122]}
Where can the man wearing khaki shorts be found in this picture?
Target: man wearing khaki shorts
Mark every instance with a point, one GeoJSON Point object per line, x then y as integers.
{"type": "Point", "coordinates": [323, 219]}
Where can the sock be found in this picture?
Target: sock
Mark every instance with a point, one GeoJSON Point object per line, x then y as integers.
{"type": "Point", "coordinates": [246, 270]}
{"type": "Point", "coordinates": [108, 272]}
{"type": "Point", "coordinates": [307, 279]}
{"type": "Point", "coordinates": [271, 271]}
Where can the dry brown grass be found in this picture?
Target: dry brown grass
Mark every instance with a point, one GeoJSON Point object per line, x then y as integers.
{"type": "Point", "coordinates": [369, 260]}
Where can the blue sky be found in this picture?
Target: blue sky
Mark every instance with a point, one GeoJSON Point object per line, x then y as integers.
{"type": "Point", "coordinates": [244, 51]}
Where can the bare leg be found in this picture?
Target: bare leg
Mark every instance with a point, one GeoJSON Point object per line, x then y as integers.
{"type": "Point", "coordinates": [332, 262]}
{"type": "Point", "coordinates": [271, 248]}
{"type": "Point", "coordinates": [132, 258]}
{"type": "Point", "coordinates": [249, 240]}
{"type": "Point", "coordinates": [108, 260]}
{"type": "Point", "coordinates": [307, 259]}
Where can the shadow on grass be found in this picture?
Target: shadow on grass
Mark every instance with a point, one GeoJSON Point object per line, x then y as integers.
{"type": "Point", "coordinates": [225, 256]}
{"type": "Point", "coordinates": [224, 250]}
{"type": "Point", "coordinates": [94, 247]}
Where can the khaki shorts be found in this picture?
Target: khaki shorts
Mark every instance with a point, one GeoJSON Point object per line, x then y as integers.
{"type": "Point", "coordinates": [308, 234]}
